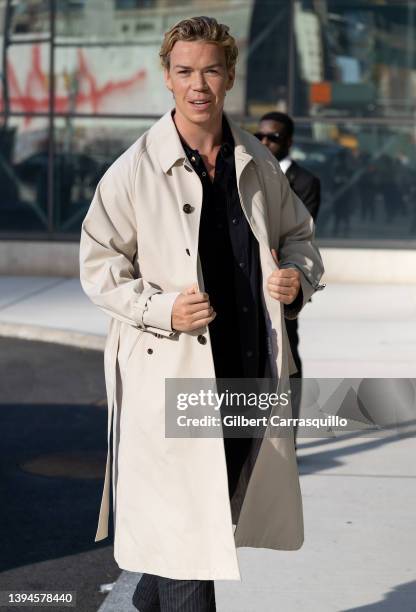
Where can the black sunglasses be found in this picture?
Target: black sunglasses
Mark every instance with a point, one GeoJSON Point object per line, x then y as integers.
{"type": "Point", "coordinates": [272, 136]}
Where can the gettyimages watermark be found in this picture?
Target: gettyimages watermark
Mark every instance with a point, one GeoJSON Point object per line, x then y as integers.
{"type": "Point", "coordinates": [316, 407]}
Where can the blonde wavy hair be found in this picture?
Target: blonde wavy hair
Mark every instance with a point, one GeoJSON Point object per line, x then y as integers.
{"type": "Point", "coordinates": [199, 28]}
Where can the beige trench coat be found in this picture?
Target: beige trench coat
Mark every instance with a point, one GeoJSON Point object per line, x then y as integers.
{"type": "Point", "coordinates": [139, 249]}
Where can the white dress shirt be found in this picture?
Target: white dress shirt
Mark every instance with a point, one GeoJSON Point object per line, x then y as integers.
{"type": "Point", "coordinates": [285, 164]}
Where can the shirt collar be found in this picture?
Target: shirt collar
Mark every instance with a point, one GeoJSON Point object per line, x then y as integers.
{"type": "Point", "coordinates": [285, 163]}
{"type": "Point", "coordinates": [164, 139]}
{"type": "Point", "coordinates": [227, 145]}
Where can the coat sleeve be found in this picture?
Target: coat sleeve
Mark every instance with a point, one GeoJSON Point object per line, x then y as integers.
{"type": "Point", "coordinates": [296, 246]}
{"type": "Point", "coordinates": [108, 247]}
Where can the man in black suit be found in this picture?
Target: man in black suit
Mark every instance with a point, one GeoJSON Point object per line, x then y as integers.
{"type": "Point", "coordinates": [276, 132]}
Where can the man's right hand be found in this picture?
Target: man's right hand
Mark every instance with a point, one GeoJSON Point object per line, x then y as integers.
{"type": "Point", "coordinates": [192, 310]}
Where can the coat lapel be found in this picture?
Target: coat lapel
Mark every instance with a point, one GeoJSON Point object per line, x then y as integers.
{"type": "Point", "coordinates": [249, 187]}
{"type": "Point", "coordinates": [186, 183]}
{"type": "Point", "coordinates": [254, 206]}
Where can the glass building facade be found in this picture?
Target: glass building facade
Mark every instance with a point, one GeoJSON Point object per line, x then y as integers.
{"type": "Point", "coordinates": [81, 81]}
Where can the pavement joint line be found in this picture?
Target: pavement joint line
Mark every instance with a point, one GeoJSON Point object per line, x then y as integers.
{"type": "Point", "coordinates": [31, 294]}
{"type": "Point", "coordinates": [54, 336]}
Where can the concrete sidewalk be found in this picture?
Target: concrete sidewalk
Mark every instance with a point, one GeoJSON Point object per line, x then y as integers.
{"type": "Point", "coordinates": [54, 303]}
{"type": "Point", "coordinates": [349, 330]}
{"type": "Point", "coordinates": [358, 493]}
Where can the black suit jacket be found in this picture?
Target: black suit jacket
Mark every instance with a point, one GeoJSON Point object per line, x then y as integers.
{"type": "Point", "coordinates": [307, 187]}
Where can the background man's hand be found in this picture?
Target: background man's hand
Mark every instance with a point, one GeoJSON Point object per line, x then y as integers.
{"type": "Point", "coordinates": [283, 284]}
{"type": "Point", "coordinates": [192, 310]}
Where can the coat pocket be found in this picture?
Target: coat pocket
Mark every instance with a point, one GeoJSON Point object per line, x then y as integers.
{"type": "Point", "coordinates": [129, 339]}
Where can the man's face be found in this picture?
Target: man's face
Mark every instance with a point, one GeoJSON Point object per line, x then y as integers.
{"type": "Point", "coordinates": [278, 145]}
{"type": "Point", "coordinates": [199, 79]}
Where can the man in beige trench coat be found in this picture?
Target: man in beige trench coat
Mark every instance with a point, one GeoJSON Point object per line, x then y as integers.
{"type": "Point", "coordinates": [140, 262]}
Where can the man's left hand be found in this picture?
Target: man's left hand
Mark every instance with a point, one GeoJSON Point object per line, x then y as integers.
{"type": "Point", "coordinates": [283, 284]}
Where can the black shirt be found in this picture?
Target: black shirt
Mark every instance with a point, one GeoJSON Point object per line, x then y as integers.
{"type": "Point", "coordinates": [230, 261]}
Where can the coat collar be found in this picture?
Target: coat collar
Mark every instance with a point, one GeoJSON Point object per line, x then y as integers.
{"type": "Point", "coordinates": [169, 148]}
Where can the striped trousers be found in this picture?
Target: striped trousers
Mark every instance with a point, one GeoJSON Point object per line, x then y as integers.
{"type": "Point", "coordinates": [157, 594]}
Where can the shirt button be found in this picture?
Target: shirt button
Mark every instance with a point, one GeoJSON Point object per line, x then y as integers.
{"type": "Point", "coordinates": [193, 158]}
{"type": "Point", "coordinates": [149, 351]}
{"type": "Point", "coordinates": [204, 174]}
{"type": "Point", "coordinates": [202, 339]}
{"type": "Point", "coordinates": [235, 221]}
{"type": "Point", "coordinates": [242, 264]}
{"type": "Point", "coordinates": [187, 208]}
{"type": "Point", "coordinates": [249, 353]}
{"type": "Point", "coordinates": [245, 308]}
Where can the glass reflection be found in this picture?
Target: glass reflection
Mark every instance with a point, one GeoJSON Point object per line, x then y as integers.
{"type": "Point", "coordinates": [368, 179]}
{"type": "Point", "coordinates": [84, 149]}
{"type": "Point", "coordinates": [24, 174]}
{"type": "Point", "coordinates": [27, 18]}
{"type": "Point", "coordinates": [28, 78]}
{"type": "Point", "coordinates": [118, 70]}
{"type": "Point", "coordinates": [354, 57]}
{"type": "Point", "coordinates": [351, 59]}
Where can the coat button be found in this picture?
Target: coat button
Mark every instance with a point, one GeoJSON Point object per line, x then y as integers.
{"type": "Point", "coordinates": [150, 351]}
{"type": "Point", "coordinates": [187, 208]}
{"type": "Point", "coordinates": [202, 339]}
